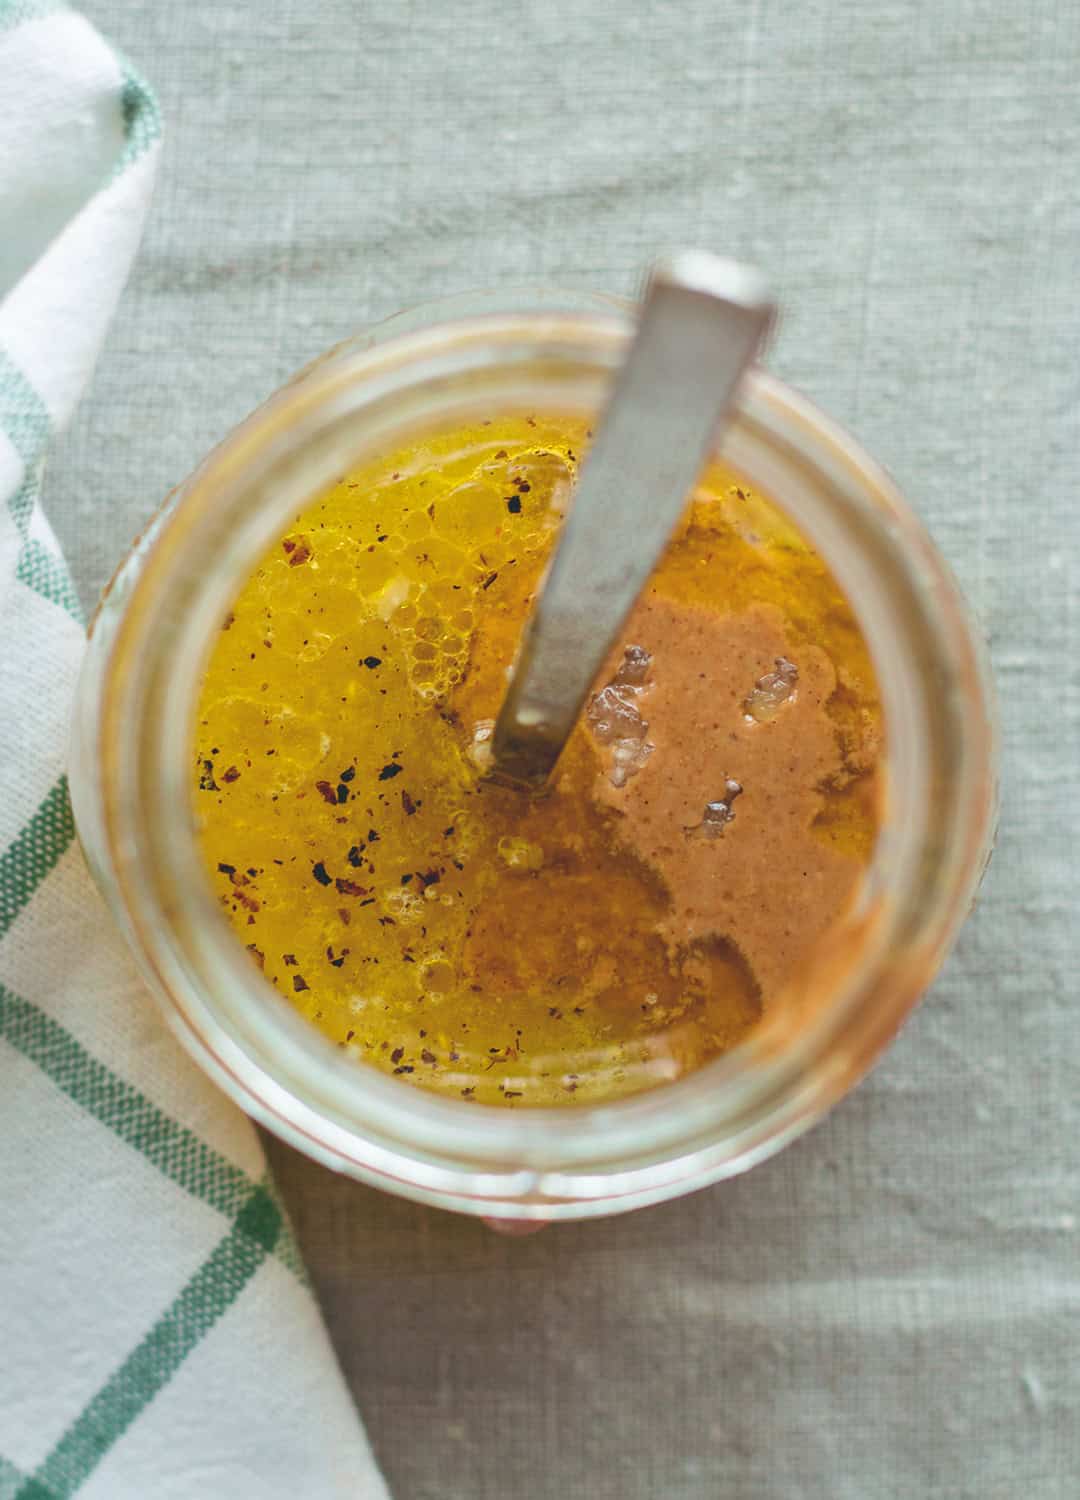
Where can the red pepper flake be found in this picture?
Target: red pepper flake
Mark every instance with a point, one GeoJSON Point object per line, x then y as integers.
{"type": "Point", "coordinates": [397, 1054]}
{"type": "Point", "coordinates": [319, 872]}
{"type": "Point", "coordinates": [226, 869]}
{"type": "Point", "coordinates": [247, 902]}
{"type": "Point", "coordinates": [554, 1012]}
{"type": "Point", "coordinates": [296, 550]}
{"type": "Point", "coordinates": [257, 954]}
{"type": "Point", "coordinates": [390, 770]}
{"type": "Point", "coordinates": [511, 1093]}
{"type": "Point", "coordinates": [232, 774]}
{"type": "Point", "coordinates": [349, 1035]}
{"type": "Point", "coordinates": [349, 887]}
{"type": "Point", "coordinates": [426, 1056]}
{"type": "Point", "coordinates": [405, 1068]}
{"type": "Point", "coordinates": [383, 921]}
{"type": "Point", "coordinates": [299, 983]}
{"type": "Point", "coordinates": [468, 1093]}
{"type": "Point", "coordinates": [206, 780]}
{"type": "Point", "coordinates": [408, 804]}
{"type": "Point", "coordinates": [326, 792]}
{"type": "Point", "coordinates": [369, 902]}
{"type": "Point", "coordinates": [489, 580]}
{"type": "Point", "coordinates": [344, 914]}
{"type": "Point", "coordinates": [290, 959]}
{"type": "Point", "coordinates": [229, 618]}
{"type": "Point", "coordinates": [371, 662]}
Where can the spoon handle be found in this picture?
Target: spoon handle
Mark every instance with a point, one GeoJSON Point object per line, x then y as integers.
{"type": "Point", "coordinates": [702, 322]}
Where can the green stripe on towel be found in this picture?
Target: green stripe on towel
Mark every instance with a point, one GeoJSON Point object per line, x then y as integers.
{"type": "Point", "coordinates": [152, 1364]}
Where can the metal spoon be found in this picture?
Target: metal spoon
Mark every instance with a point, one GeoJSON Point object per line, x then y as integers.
{"type": "Point", "coordinates": [702, 322]}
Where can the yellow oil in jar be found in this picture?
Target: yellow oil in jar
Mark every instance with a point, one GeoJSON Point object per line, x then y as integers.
{"type": "Point", "coordinates": [454, 933]}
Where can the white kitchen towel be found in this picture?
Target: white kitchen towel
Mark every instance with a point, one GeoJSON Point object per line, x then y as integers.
{"type": "Point", "coordinates": [158, 1338]}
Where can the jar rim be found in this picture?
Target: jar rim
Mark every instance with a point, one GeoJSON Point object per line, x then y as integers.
{"type": "Point", "coordinates": [542, 1162]}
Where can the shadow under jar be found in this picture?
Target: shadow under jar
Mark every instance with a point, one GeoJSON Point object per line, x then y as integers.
{"type": "Point", "coordinates": [430, 371]}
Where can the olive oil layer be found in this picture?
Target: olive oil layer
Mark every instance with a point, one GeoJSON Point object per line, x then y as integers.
{"type": "Point", "coordinates": [458, 935]}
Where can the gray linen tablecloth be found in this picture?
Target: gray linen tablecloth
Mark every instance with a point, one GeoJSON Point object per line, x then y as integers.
{"type": "Point", "coordinates": [892, 1307]}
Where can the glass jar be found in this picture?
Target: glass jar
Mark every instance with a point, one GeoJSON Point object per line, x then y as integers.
{"type": "Point", "coordinates": [130, 776]}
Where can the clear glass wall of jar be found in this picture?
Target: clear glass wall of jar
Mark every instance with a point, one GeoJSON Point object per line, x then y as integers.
{"type": "Point", "coordinates": [130, 776]}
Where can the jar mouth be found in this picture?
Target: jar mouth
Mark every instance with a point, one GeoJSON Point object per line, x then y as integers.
{"type": "Point", "coordinates": [542, 1162]}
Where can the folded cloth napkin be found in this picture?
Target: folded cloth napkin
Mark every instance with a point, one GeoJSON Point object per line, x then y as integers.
{"type": "Point", "coordinates": [158, 1339]}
